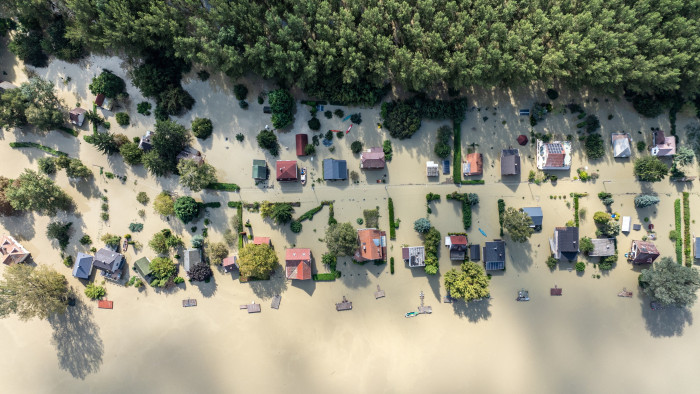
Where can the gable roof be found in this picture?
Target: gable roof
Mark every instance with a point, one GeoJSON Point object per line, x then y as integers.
{"type": "Point", "coordinates": [83, 266]}
{"type": "Point", "coordinates": [567, 239]}
{"type": "Point", "coordinates": [510, 162]}
{"type": "Point", "coordinates": [107, 260]}
{"type": "Point", "coordinates": [474, 252]}
{"type": "Point", "coordinates": [335, 169]}
{"type": "Point", "coordinates": [192, 258]}
{"type": "Point", "coordinates": [298, 263]}
{"type": "Point", "coordinates": [621, 145]}
{"type": "Point", "coordinates": [11, 251]}
{"type": "Point", "coordinates": [373, 158]}
{"type": "Point", "coordinates": [458, 240]}
{"type": "Point", "coordinates": [535, 213]}
{"type": "Point", "coordinates": [286, 170]}
{"type": "Point", "coordinates": [230, 263]}
{"type": "Point", "coordinates": [99, 100]}
{"type": "Point", "coordinates": [259, 169]}
{"type": "Point", "coordinates": [145, 143]}
{"type": "Point", "coordinates": [261, 241]}
{"type": "Point", "coordinates": [143, 266]}
{"type": "Point", "coordinates": [663, 146]}
{"type": "Point", "coordinates": [372, 245]}
{"type": "Point", "coordinates": [302, 140]}
{"type": "Point", "coordinates": [495, 255]}
{"type": "Point", "coordinates": [474, 164]}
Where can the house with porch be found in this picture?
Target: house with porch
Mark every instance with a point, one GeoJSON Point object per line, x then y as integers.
{"type": "Point", "coordinates": [372, 245]}
{"type": "Point", "coordinates": [457, 245]}
{"type": "Point", "coordinates": [110, 263]}
{"type": "Point", "coordinates": [642, 252]}
{"type": "Point", "coordinates": [298, 264]}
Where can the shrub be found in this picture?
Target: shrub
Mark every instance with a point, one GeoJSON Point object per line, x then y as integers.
{"type": "Point", "coordinates": [402, 120]}
{"type": "Point", "coordinates": [641, 146]}
{"type": "Point", "coordinates": [422, 225]}
{"type": "Point", "coordinates": [135, 227]}
{"type": "Point", "coordinates": [108, 84]}
{"type": "Point", "coordinates": [243, 104]}
{"type": "Point", "coordinates": [94, 292]}
{"type": "Point", "coordinates": [186, 208]}
{"type": "Point", "coordinates": [650, 169]}
{"type": "Point", "coordinates": [580, 266]}
{"type": "Point", "coordinates": [240, 137]}
{"type": "Point", "coordinates": [594, 146]}
{"type": "Point", "coordinates": [314, 123]}
{"type": "Point", "coordinates": [68, 261]}
{"type": "Point", "coordinates": [673, 235]}
{"type": "Point", "coordinates": [601, 217]}
{"type": "Point", "coordinates": [202, 128]}
{"type": "Point", "coordinates": [59, 231]}
{"type": "Point", "coordinates": [268, 140]}
{"type": "Point", "coordinates": [131, 153]}
{"type": "Point", "coordinates": [200, 272]}
{"type": "Point", "coordinates": [645, 200]}
{"type": "Point", "coordinates": [122, 118]}
{"type": "Point", "coordinates": [647, 105]}
{"type": "Point", "coordinates": [144, 108]}
{"type": "Point", "coordinates": [356, 147]}
{"type": "Point", "coordinates": [391, 266]}
{"type": "Point", "coordinates": [608, 201]}
{"type": "Point", "coordinates": [339, 135]}
{"type": "Point", "coordinates": [309, 149]}
{"type": "Point", "coordinates": [339, 113]}
{"type": "Point", "coordinates": [111, 240]}
{"type": "Point", "coordinates": [442, 145]}
{"type": "Point", "coordinates": [392, 223]}
{"type": "Point", "coordinates": [552, 94]}
{"type": "Point", "coordinates": [592, 123]}
{"type": "Point", "coordinates": [356, 118]}
{"type": "Point", "coordinates": [328, 114]}
{"type": "Point", "coordinates": [388, 150]}
{"type": "Point", "coordinates": [142, 197]}
{"type": "Point", "coordinates": [85, 240]}
{"type": "Point", "coordinates": [586, 245]}
{"type": "Point", "coordinates": [295, 226]}
{"type": "Point", "coordinates": [552, 262]}
{"type": "Point", "coordinates": [164, 204]}
{"type": "Point", "coordinates": [197, 242]}
{"type": "Point", "coordinates": [282, 106]}
{"type": "Point", "coordinates": [47, 165]}
{"type": "Point", "coordinates": [203, 75]}
{"type": "Point", "coordinates": [606, 263]}
{"type": "Point", "coordinates": [240, 91]}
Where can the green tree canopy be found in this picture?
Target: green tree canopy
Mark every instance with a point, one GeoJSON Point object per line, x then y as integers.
{"type": "Point", "coordinates": [470, 283]}
{"type": "Point", "coordinates": [104, 142]}
{"type": "Point", "coordinates": [164, 204]}
{"type": "Point", "coordinates": [586, 245]}
{"type": "Point", "coordinates": [163, 241]}
{"type": "Point", "coordinates": [108, 84]}
{"type": "Point", "coordinates": [94, 292]}
{"type": "Point", "coordinates": [341, 239]}
{"type": "Point", "coordinates": [186, 208]}
{"type": "Point", "coordinates": [645, 200]}
{"type": "Point", "coordinates": [32, 292]}
{"type": "Point", "coordinates": [168, 140]}
{"type": "Point", "coordinates": [650, 169]}
{"type": "Point", "coordinates": [37, 193]}
{"type": "Point", "coordinates": [131, 153]}
{"type": "Point", "coordinates": [517, 223]}
{"type": "Point", "coordinates": [162, 268]}
{"type": "Point", "coordinates": [195, 176]}
{"type": "Point", "coordinates": [257, 261]}
{"type": "Point", "coordinates": [422, 225]}
{"type": "Point", "coordinates": [280, 212]}
{"type": "Point", "coordinates": [34, 102]}
{"type": "Point", "coordinates": [216, 252]}
{"type": "Point", "coordinates": [202, 128]}
{"type": "Point", "coordinates": [671, 283]}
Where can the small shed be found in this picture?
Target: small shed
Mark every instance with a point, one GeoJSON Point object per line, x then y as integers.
{"type": "Point", "coordinates": [259, 169]}
{"type": "Point", "coordinates": [302, 140]}
{"type": "Point", "coordinates": [626, 221]}
{"type": "Point", "coordinates": [555, 291]}
{"type": "Point", "coordinates": [230, 264]}
{"type": "Point", "coordinates": [432, 169]}
{"type": "Point", "coordinates": [77, 116]}
{"type": "Point", "coordinates": [474, 252]}
{"type": "Point", "coordinates": [143, 267]}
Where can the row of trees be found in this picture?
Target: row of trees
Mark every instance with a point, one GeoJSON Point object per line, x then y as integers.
{"type": "Point", "coordinates": [347, 51]}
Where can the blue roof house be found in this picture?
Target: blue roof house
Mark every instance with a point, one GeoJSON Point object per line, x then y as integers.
{"type": "Point", "coordinates": [83, 266]}
{"type": "Point", "coordinates": [335, 170]}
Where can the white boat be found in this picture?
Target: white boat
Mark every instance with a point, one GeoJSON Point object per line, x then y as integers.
{"type": "Point", "coordinates": [303, 176]}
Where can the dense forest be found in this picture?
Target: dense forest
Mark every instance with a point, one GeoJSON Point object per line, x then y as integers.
{"type": "Point", "coordinates": [350, 50]}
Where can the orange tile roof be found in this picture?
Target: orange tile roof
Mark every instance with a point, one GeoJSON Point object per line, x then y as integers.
{"type": "Point", "coordinates": [298, 263]}
{"type": "Point", "coordinates": [476, 163]}
{"type": "Point", "coordinates": [261, 241]}
{"type": "Point", "coordinates": [372, 245]}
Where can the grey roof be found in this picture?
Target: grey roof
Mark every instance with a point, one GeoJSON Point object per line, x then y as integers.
{"type": "Point", "coordinates": [697, 248]}
{"type": "Point", "coordinates": [510, 162]}
{"type": "Point", "coordinates": [145, 143]}
{"type": "Point", "coordinates": [535, 213]}
{"type": "Point", "coordinates": [83, 266]}
{"type": "Point", "coordinates": [603, 247]}
{"type": "Point", "coordinates": [565, 242]}
{"type": "Point", "coordinates": [474, 252]}
{"type": "Point", "coordinates": [192, 258]}
{"type": "Point", "coordinates": [495, 252]}
{"type": "Point", "coordinates": [108, 260]}
{"type": "Point", "coordinates": [414, 256]}
{"type": "Point", "coordinates": [335, 169]}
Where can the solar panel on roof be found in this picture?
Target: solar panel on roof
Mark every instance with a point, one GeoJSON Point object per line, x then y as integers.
{"type": "Point", "coordinates": [555, 148]}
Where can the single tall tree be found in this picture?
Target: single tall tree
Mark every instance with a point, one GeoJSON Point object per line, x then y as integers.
{"type": "Point", "coordinates": [341, 239]}
{"type": "Point", "coordinates": [32, 292]}
{"type": "Point", "coordinates": [195, 176]}
{"type": "Point", "coordinates": [257, 261]}
{"type": "Point", "coordinates": [517, 223]}
{"type": "Point", "coordinates": [470, 283]}
{"type": "Point", "coordinates": [671, 283]}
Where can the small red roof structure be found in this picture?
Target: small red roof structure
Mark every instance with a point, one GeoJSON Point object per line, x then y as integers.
{"type": "Point", "coordinates": [298, 263]}
{"type": "Point", "coordinates": [104, 304]}
{"type": "Point", "coordinates": [474, 164]}
{"type": "Point", "coordinates": [287, 170]}
{"type": "Point", "coordinates": [99, 99]}
{"type": "Point", "coordinates": [372, 159]}
{"type": "Point", "coordinates": [555, 291]}
{"type": "Point", "coordinates": [372, 245]}
{"type": "Point", "coordinates": [643, 252]}
{"type": "Point", "coordinates": [458, 240]}
{"type": "Point", "coordinates": [230, 264]}
{"type": "Point", "coordinates": [522, 139]}
{"type": "Point", "coordinates": [262, 241]}
{"type": "Point", "coordinates": [302, 141]}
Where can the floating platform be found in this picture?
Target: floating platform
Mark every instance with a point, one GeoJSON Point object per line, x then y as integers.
{"type": "Point", "coordinates": [344, 305]}
{"type": "Point", "coordinates": [276, 302]}
{"type": "Point", "coordinates": [252, 308]}
{"type": "Point", "coordinates": [555, 291]}
{"type": "Point", "coordinates": [104, 304]}
{"type": "Point", "coordinates": [189, 302]}
{"type": "Point", "coordinates": [523, 295]}
{"type": "Point", "coordinates": [379, 293]}
{"type": "Point", "coordinates": [624, 293]}
{"type": "Point", "coordinates": [425, 309]}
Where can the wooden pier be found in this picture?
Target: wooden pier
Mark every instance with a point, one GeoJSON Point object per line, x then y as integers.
{"type": "Point", "coordinates": [276, 302]}
{"type": "Point", "coordinates": [422, 309]}
{"type": "Point", "coordinates": [252, 308]}
{"type": "Point", "coordinates": [345, 305]}
{"type": "Point", "coordinates": [379, 293]}
{"type": "Point", "coordinates": [189, 302]}
{"type": "Point", "coordinates": [624, 293]}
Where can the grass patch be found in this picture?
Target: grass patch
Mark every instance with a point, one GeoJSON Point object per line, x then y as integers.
{"type": "Point", "coordinates": [686, 229]}
{"type": "Point", "coordinates": [392, 227]}
{"type": "Point", "coordinates": [38, 146]}
{"type": "Point", "coordinates": [227, 187]}
{"type": "Point", "coordinates": [68, 130]}
{"type": "Point", "coordinates": [371, 218]}
{"type": "Point", "coordinates": [679, 241]}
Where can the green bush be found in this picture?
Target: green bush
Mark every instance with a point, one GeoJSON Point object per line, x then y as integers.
{"type": "Point", "coordinates": [295, 226]}
{"type": "Point", "coordinates": [47, 165]}
{"type": "Point", "coordinates": [641, 146]}
{"type": "Point", "coordinates": [580, 266]}
{"type": "Point", "coordinates": [94, 292]}
{"type": "Point", "coordinates": [391, 265]}
{"type": "Point", "coordinates": [186, 209]}
{"type": "Point", "coordinates": [144, 108]}
{"type": "Point", "coordinates": [108, 84]}
{"type": "Point", "coordinates": [122, 118]}
{"type": "Point", "coordinates": [202, 128]}
{"type": "Point", "coordinates": [38, 146]}
{"type": "Point", "coordinates": [686, 229]}
{"type": "Point", "coordinates": [647, 105]}
{"type": "Point", "coordinates": [314, 123]}
{"type": "Point", "coordinates": [679, 241]}
{"type": "Point", "coordinates": [243, 104]}
{"type": "Point", "coordinates": [594, 146]}
{"type": "Point", "coordinates": [328, 114]}
{"type": "Point", "coordinates": [552, 94]}
{"type": "Point", "coordinates": [401, 119]}
{"type": "Point", "coordinates": [227, 187]}
{"type": "Point", "coordinates": [240, 91]}
{"type": "Point", "coordinates": [356, 118]}
{"type": "Point", "coordinates": [422, 225]}
{"type": "Point", "coordinates": [356, 147]}
{"type": "Point", "coordinates": [392, 223]}
{"type": "Point", "coordinates": [135, 227]}
{"type": "Point", "coordinates": [85, 240]}
{"type": "Point", "coordinates": [388, 150]}
{"type": "Point", "coordinates": [552, 262]}
{"type": "Point", "coordinates": [268, 140]}
{"type": "Point", "coordinates": [142, 198]}
{"type": "Point", "coordinates": [282, 106]}
{"type": "Point", "coordinates": [442, 144]}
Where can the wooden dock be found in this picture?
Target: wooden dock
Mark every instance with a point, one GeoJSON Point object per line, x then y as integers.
{"type": "Point", "coordinates": [345, 305]}
{"type": "Point", "coordinates": [555, 291]}
{"type": "Point", "coordinates": [422, 309]}
{"type": "Point", "coordinates": [252, 308]}
{"type": "Point", "coordinates": [276, 302]}
{"type": "Point", "coordinates": [189, 302]}
{"type": "Point", "coordinates": [379, 293]}
{"type": "Point", "coordinates": [624, 293]}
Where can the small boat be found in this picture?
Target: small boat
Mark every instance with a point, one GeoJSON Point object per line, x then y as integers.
{"type": "Point", "coordinates": [303, 176]}
{"type": "Point", "coordinates": [411, 314]}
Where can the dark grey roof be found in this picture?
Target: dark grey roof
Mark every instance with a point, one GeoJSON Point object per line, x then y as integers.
{"type": "Point", "coordinates": [535, 213]}
{"type": "Point", "coordinates": [83, 266]}
{"type": "Point", "coordinates": [335, 169]}
{"type": "Point", "coordinates": [145, 143]}
{"type": "Point", "coordinates": [474, 252]}
{"type": "Point", "coordinates": [697, 248]}
{"type": "Point", "coordinates": [108, 260]}
{"type": "Point", "coordinates": [510, 162]}
{"type": "Point", "coordinates": [192, 258]}
{"type": "Point", "coordinates": [495, 252]}
{"type": "Point", "coordinates": [568, 239]}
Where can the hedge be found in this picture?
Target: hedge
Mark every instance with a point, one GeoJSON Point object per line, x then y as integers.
{"type": "Point", "coordinates": [214, 204]}
{"type": "Point", "coordinates": [328, 277]}
{"type": "Point", "coordinates": [308, 215]}
{"type": "Point", "coordinates": [457, 152]}
{"type": "Point", "coordinates": [38, 146]}
{"type": "Point", "coordinates": [686, 229]}
{"type": "Point", "coordinates": [391, 261]}
{"type": "Point", "coordinates": [68, 130]}
{"type": "Point", "coordinates": [392, 226]}
{"type": "Point", "coordinates": [466, 207]}
{"type": "Point", "coordinates": [576, 210]}
{"type": "Point", "coordinates": [228, 187]}
{"type": "Point", "coordinates": [472, 182]}
{"type": "Point", "coordinates": [679, 240]}
{"type": "Point", "coordinates": [501, 211]}
{"type": "Point", "coordinates": [234, 204]}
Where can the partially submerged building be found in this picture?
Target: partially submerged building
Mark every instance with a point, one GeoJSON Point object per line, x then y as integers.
{"type": "Point", "coordinates": [621, 145]}
{"type": "Point", "coordinates": [642, 252]}
{"type": "Point", "coordinates": [554, 155]}
{"type": "Point", "coordinates": [287, 171]}
{"type": "Point", "coordinates": [190, 153]}
{"type": "Point", "coordinates": [663, 145]}
{"type": "Point", "coordinates": [473, 164]}
{"type": "Point", "coordinates": [192, 257]}
{"type": "Point", "coordinates": [298, 263]}
{"type": "Point", "coordinates": [110, 263]}
{"type": "Point", "coordinates": [510, 162]}
{"type": "Point", "coordinates": [414, 256]}
{"type": "Point", "coordinates": [372, 159]}
{"type": "Point", "coordinates": [564, 243]}
{"type": "Point", "coordinates": [457, 245]}
{"type": "Point", "coordinates": [11, 251]}
{"type": "Point", "coordinates": [77, 116]}
{"type": "Point", "coordinates": [82, 267]}
{"type": "Point", "coordinates": [372, 245]}
{"type": "Point", "coordinates": [432, 169]}
{"type": "Point", "coordinates": [335, 170]}
{"type": "Point", "coordinates": [602, 247]}
{"type": "Point", "coordinates": [259, 170]}
{"type": "Point", "coordinates": [535, 213]}
{"type": "Point", "coordinates": [495, 255]}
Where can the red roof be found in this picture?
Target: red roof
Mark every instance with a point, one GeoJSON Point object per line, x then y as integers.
{"type": "Point", "coordinates": [458, 240]}
{"type": "Point", "coordinates": [373, 158]}
{"type": "Point", "coordinates": [476, 163]}
{"type": "Point", "coordinates": [261, 241]}
{"type": "Point", "coordinates": [286, 170]}
{"type": "Point", "coordinates": [104, 304]}
{"type": "Point", "coordinates": [302, 141]}
{"type": "Point", "coordinates": [555, 160]}
{"type": "Point", "coordinates": [522, 139]}
{"type": "Point", "coordinates": [372, 245]}
{"type": "Point", "coordinates": [99, 99]}
{"type": "Point", "coordinates": [298, 263]}
{"type": "Point", "coordinates": [555, 291]}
